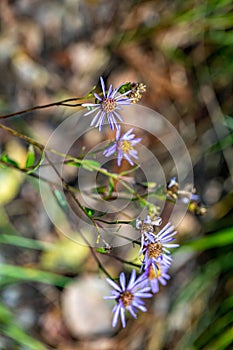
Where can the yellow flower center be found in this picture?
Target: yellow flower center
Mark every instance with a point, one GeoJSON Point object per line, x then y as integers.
{"type": "Point", "coordinates": [127, 298]}
{"type": "Point", "coordinates": [154, 250]}
{"type": "Point", "coordinates": [125, 146]}
{"type": "Point", "coordinates": [154, 274]}
{"type": "Point", "coordinates": [108, 105]}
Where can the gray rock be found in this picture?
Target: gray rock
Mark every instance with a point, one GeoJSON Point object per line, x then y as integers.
{"type": "Point", "coordinates": [85, 312]}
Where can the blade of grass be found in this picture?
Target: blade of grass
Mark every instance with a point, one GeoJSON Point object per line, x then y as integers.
{"type": "Point", "coordinates": [223, 341]}
{"type": "Point", "coordinates": [215, 330]}
{"type": "Point", "coordinates": [218, 239]}
{"type": "Point", "coordinates": [10, 328]}
{"type": "Point", "coordinates": [29, 274]}
{"type": "Point", "coordinates": [24, 242]}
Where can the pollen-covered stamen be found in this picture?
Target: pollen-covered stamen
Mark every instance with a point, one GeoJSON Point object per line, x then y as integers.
{"type": "Point", "coordinates": [127, 298]}
{"type": "Point", "coordinates": [155, 250]}
{"type": "Point", "coordinates": [125, 146]}
{"type": "Point", "coordinates": [108, 105]}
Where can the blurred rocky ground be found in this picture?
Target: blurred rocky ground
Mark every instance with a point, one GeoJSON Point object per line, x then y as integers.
{"type": "Point", "coordinates": [182, 51]}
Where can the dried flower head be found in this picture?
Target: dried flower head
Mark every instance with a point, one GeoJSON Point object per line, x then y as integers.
{"type": "Point", "coordinates": [173, 188]}
{"type": "Point", "coordinates": [137, 89]}
{"type": "Point", "coordinates": [147, 229]}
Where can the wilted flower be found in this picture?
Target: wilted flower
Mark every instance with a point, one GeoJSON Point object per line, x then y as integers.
{"type": "Point", "coordinates": [156, 275]}
{"type": "Point", "coordinates": [157, 251]}
{"type": "Point", "coordinates": [147, 228]}
{"type": "Point", "coordinates": [128, 297]}
{"type": "Point", "coordinates": [108, 106]}
{"type": "Point", "coordinates": [173, 188]}
{"type": "Point", "coordinates": [137, 90]}
{"type": "Point", "coordinates": [123, 146]}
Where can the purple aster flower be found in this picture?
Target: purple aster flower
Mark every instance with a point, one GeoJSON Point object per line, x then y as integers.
{"type": "Point", "coordinates": [157, 251]}
{"type": "Point", "coordinates": [123, 146]}
{"type": "Point", "coordinates": [156, 275]}
{"type": "Point", "coordinates": [128, 297]}
{"type": "Point", "coordinates": [147, 229]}
{"type": "Point", "coordinates": [107, 106]}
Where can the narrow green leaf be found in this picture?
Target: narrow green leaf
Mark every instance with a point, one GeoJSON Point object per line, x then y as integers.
{"type": "Point", "coordinates": [101, 250]}
{"type": "Point", "coordinates": [90, 212]}
{"type": "Point", "coordinates": [12, 330]}
{"type": "Point", "coordinates": [91, 92]}
{"type": "Point", "coordinates": [111, 186]}
{"type": "Point", "coordinates": [228, 122]}
{"type": "Point", "coordinates": [29, 274]}
{"type": "Point", "coordinates": [59, 195]}
{"type": "Point", "coordinates": [72, 163]}
{"type": "Point", "coordinates": [123, 173]}
{"type": "Point", "coordinates": [87, 164]}
{"type": "Point", "coordinates": [24, 242]}
{"type": "Point", "coordinates": [221, 145]}
{"type": "Point", "coordinates": [125, 88]}
{"type": "Point", "coordinates": [37, 165]}
{"type": "Point", "coordinates": [215, 332]}
{"type": "Point", "coordinates": [224, 340]}
{"type": "Point", "coordinates": [30, 157]}
{"type": "Point", "coordinates": [149, 184]}
{"type": "Point", "coordinates": [221, 238]}
{"type": "Point", "coordinates": [90, 164]}
{"type": "Point", "coordinates": [4, 157]}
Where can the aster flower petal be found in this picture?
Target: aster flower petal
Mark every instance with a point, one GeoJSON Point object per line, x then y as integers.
{"type": "Point", "coordinates": [90, 112]}
{"type": "Point", "coordinates": [131, 310]}
{"type": "Point", "coordinates": [133, 154]}
{"type": "Point", "coordinates": [102, 86]}
{"type": "Point", "coordinates": [154, 285]}
{"type": "Point", "coordinates": [109, 151]}
{"type": "Point", "coordinates": [118, 133]}
{"type": "Point", "coordinates": [162, 281]}
{"type": "Point", "coordinates": [95, 118]}
{"type": "Point", "coordinates": [122, 311]}
{"type": "Point", "coordinates": [101, 121]}
{"type": "Point", "coordinates": [90, 105]}
{"type": "Point", "coordinates": [128, 159]}
{"type": "Point", "coordinates": [125, 136]}
{"type": "Point", "coordinates": [119, 158]}
{"type": "Point", "coordinates": [97, 97]}
{"type": "Point", "coordinates": [132, 279]}
{"type": "Point", "coordinates": [143, 295]}
{"type": "Point", "coordinates": [143, 289]}
{"type": "Point", "coordinates": [116, 114]}
{"type": "Point", "coordinates": [116, 315]}
{"type": "Point", "coordinates": [122, 280]}
{"type": "Point", "coordinates": [113, 284]}
{"type": "Point", "coordinates": [142, 308]}
{"type": "Point", "coordinates": [110, 297]}
{"type": "Point", "coordinates": [171, 245]}
{"type": "Point", "coordinates": [109, 91]}
{"type": "Point", "coordinates": [167, 229]}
